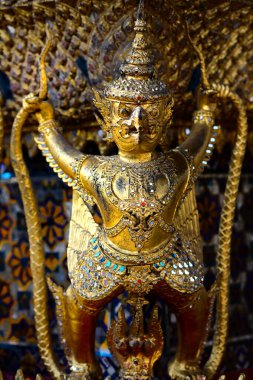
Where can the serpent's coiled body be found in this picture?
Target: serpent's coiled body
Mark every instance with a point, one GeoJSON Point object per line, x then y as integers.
{"type": "Point", "coordinates": [225, 232]}
{"type": "Point", "coordinates": [36, 246]}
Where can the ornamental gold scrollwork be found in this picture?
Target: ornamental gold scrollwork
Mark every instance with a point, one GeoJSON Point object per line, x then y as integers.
{"type": "Point", "coordinates": [134, 347]}
{"type": "Point", "coordinates": [149, 241]}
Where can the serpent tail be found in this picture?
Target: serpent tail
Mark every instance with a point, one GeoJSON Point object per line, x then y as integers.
{"type": "Point", "coordinates": [36, 246]}
{"type": "Point", "coordinates": [225, 232]}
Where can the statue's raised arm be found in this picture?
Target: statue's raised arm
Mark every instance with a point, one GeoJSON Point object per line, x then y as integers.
{"type": "Point", "coordinates": [199, 145]}
{"type": "Point", "coordinates": [62, 156]}
{"type": "Point", "coordinates": [64, 159]}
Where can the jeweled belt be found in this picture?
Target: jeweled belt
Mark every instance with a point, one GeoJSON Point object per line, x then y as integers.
{"type": "Point", "coordinates": [112, 252]}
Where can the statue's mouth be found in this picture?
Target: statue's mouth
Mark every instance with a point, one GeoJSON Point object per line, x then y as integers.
{"type": "Point", "coordinates": [137, 133]}
{"type": "Point", "coordinates": [137, 137]}
{"type": "Point", "coordinates": [129, 135]}
{"type": "Point", "coordinates": [133, 137]}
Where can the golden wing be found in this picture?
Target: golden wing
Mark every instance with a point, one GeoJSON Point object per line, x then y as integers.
{"type": "Point", "coordinates": [82, 228]}
{"type": "Point", "coordinates": [187, 222]}
{"type": "Point", "coordinates": [60, 172]}
{"type": "Point", "coordinates": [52, 163]}
{"type": "Point", "coordinates": [82, 224]}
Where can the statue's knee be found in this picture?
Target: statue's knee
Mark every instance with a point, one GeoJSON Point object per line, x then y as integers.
{"type": "Point", "coordinates": [80, 304]}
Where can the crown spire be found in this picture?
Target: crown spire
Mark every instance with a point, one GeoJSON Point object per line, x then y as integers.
{"type": "Point", "coordinates": [140, 13]}
{"type": "Point", "coordinates": [137, 81]}
{"type": "Point", "coordinates": [139, 62]}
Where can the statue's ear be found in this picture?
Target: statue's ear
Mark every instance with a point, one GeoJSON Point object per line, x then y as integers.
{"type": "Point", "coordinates": [101, 111]}
{"type": "Point", "coordinates": [169, 109]}
{"type": "Point", "coordinates": [97, 97]}
{"type": "Point", "coordinates": [169, 104]}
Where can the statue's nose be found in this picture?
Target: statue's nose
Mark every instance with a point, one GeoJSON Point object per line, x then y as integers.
{"type": "Point", "coordinates": [139, 118]}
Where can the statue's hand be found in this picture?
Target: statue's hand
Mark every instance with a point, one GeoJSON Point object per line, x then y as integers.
{"type": "Point", "coordinates": [43, 109]}
{"type": "Point", "coordinates": [207, 99]}
{"type": "Point", "coordinates": [221, 90]}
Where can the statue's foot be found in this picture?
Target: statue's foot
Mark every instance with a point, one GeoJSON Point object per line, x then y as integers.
{"type": "Point", "coordinates": [184, 371]}
{"type": "Point", "coordinates": [85, 371]}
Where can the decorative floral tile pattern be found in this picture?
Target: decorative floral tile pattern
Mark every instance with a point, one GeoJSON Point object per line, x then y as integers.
{"type": "Point", "coordinates": [53, 221]}
{"type": "Point", "coordinates": [5, 223]}
{"type": "Point", "coordinates": [19, 262]}
{"type": "Point", "coordinates": [22, 330]}
{"type": "Point", "coordinates": [6, 300]}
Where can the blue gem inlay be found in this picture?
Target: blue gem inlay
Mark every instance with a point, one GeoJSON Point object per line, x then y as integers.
{"type": "Point", "coordinates": [94, 240]}
{"type": "Point", "coordinates": [115, 266]}
{"type": "Point", "coordinates": [102, 260]}
{"type": "Point", "coordinates": [156, 265]}
{"type": "Point", "coordinates": [174, 255]}
{"type": "Point", "coordinates": [108, 264]}
{"type": "Point", "coordinates": [122, 268]}
{"type": "Point", "coordinates": [162, 264]}
{"type": "Point", "coordinates": [97, 254]}
{"type": "Point", "coordinates": [95, 247]}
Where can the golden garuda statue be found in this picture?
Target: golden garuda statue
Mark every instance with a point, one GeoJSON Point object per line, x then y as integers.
{"type": "Point", "coordinates": [149, 243]}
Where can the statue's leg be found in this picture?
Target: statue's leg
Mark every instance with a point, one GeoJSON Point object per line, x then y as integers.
{"type": "Point", "coordinates": [77, 317]}
{"type": "Point", "coordinates": [192, 313]}
{"type": "Point", "coordinates": [80, 333]}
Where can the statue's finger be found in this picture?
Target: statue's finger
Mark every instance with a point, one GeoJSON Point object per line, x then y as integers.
{"type": "Point", "coordinates": [33, 101]}
{"type": "Point", "coordinates": [211, 92]}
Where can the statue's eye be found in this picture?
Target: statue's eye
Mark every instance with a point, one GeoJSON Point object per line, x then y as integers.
{"type": "Point", "coordinates": [123, 112]}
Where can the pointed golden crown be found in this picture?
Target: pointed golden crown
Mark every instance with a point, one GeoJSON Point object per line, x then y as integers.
{"type": "Point", "coordinates": [137, 81]}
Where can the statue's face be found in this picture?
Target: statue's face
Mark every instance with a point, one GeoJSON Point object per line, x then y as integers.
{"type": "Point", "coordinates": [138, 127]}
